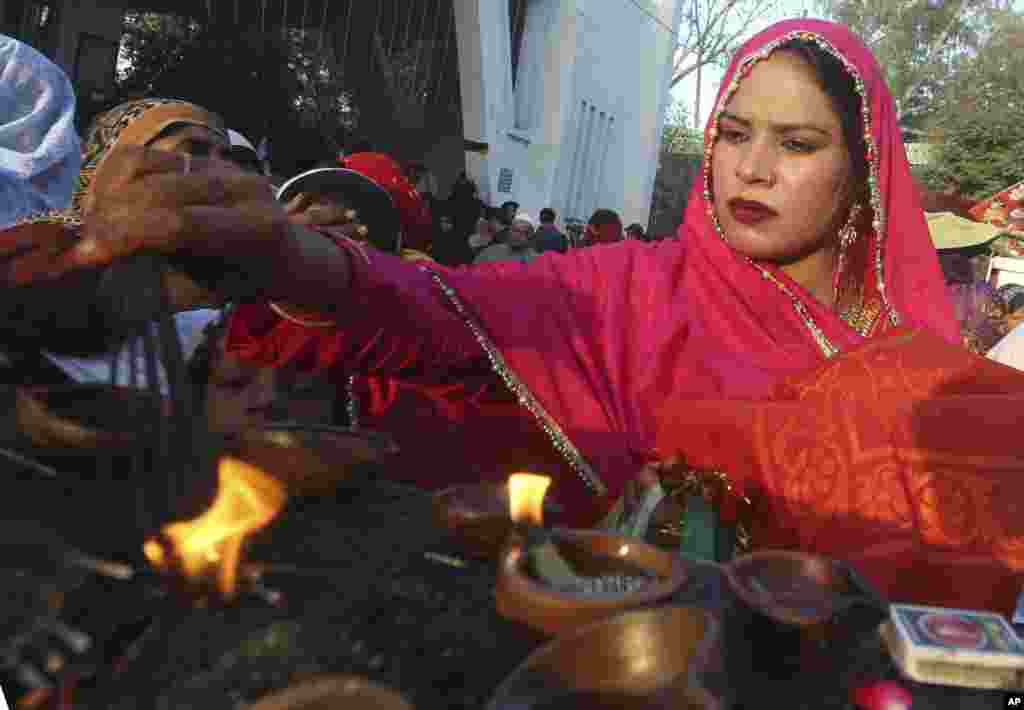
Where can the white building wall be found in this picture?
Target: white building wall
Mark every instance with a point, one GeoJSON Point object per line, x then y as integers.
{"type": "Point", "coordinates": [582, 128]}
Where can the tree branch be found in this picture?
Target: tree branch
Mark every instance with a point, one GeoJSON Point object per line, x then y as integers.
{"type": "Point", "coordinates": [938, 43]}
{"type": "Point", "coordinates": [709, 38]}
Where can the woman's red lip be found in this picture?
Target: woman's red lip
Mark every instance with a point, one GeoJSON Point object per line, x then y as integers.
{"type": "Point", "coordinates": [750, 206]}
{"type": "Point", "coordinates": [749, 213]}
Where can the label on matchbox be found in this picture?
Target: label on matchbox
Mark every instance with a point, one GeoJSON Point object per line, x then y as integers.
{"type": "Point", "coordinates": [972, 649]}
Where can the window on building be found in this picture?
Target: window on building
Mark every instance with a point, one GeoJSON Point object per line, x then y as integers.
{"type": "Point", "coordinates": [517, 26]}
{"type": "Point", "coordinates": [594, 130]}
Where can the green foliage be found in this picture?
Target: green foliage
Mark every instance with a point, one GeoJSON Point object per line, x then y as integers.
{"type": "Point", "coordinates": [678, 138]}
{"type": "Point", "coordinates": [151, 44]}
{"type": "Point", "coordinates": [979, 122]}
{"type": "Point", "coordinates": [262, 83]}
{"type": "Point", "coordinates": [922, 45]}
{"type": "Point", "coordinates": [982, 147]}
{"type": "Point", "coordinates": [956, 71]}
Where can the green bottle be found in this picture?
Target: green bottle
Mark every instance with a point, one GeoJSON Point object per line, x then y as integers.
{"type": "Point", "coordinates": [698, 530]}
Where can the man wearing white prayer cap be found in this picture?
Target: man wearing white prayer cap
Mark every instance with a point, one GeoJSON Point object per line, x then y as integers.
{"type": "Point", "coordinates": [517, 244]}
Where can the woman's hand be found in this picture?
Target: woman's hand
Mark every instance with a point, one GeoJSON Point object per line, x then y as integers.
{"type": "Point", "coordinates": [207, 212]}
{"type": "Point", "coordinates": [316, 210]}
{"type": "Point", "coordinates": [143, 200]}
{"type": "Point", "coordinates": [155, 201]}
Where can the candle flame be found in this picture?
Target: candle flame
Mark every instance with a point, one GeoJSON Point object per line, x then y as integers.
{"type": "Point", "coordinates": [211, 544]}
{"type": "Point", "coordinates": [526, 497]}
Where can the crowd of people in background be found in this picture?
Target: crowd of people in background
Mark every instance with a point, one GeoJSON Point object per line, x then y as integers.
{"type": "Point", "coordinates": [467, 230]}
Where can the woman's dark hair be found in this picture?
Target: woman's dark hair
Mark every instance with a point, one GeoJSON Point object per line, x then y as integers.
{"type": "Point", "coordinates": [838, 84]}
{"type": "Point", "coordinates": [603, 216]}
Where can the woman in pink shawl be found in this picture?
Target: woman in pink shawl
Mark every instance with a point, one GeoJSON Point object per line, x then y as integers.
{"type": "Point", "coordinates": [797, 337]}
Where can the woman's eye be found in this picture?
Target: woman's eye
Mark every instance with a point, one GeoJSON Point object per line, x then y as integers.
{"type": "Point", "coordinates": [731, 135]}
{"type": "Point", "coordinates": [799, 146]}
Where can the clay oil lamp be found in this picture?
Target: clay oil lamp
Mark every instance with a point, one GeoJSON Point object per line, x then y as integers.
{"type": "Point", "coordinates": [311, 459]}
{"type": "Point", "coordinates": [477, 516]}
{"type": "Point", "coordinates": [799, 589]}
{"type": "Point", "coordinates": [560, 579]}
{"type": "Point", "coordinates": [814, 604]}
{"type": "Point", "coordinates": [333, 691]}
{"type": "Point", "coordinates": [650, 659]}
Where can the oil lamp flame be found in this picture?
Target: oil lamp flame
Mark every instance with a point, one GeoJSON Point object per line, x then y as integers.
{"type": "Point", "coordinates": [526, 497]}
{"type": "Point", "coordinates": [211, 544]}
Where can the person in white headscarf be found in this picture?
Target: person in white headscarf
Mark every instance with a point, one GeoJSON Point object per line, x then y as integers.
{"type": "Point", "coordinates": [39, 148]}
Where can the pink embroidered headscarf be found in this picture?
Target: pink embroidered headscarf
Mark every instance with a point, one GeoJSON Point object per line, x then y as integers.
{"type": "Point", "coordinates": [596, 343]}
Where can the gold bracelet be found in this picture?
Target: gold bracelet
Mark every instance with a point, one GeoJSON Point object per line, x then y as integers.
{"type": "Point", "coordinates": [280, 311]}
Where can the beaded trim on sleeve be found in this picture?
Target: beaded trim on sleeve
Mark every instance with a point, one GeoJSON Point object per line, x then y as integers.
{"type": "Point", "coordinates": [878, 210]}
{"type": "Point", "coordinates": [305, 323]}
{"type": "Point", "coordinates": [352, 403]}
{"type": "Point", "coordinates": [65, 217]}
{"type": "Point", "coordinates": [526, 399]}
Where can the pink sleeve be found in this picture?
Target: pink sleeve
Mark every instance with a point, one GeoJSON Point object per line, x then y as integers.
{"type": "Point", "coordinates": [397, 323]}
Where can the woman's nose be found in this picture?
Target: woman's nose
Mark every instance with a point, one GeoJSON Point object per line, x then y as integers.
{"type": "Point", "coordinates": [756, 163]}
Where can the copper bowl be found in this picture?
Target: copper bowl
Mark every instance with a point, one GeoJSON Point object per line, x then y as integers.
{"type": "Point", "coordinates": [665, 658]}
{"type": "Point", "coordinates": [333, 691]}
{"type": "Point", "coordinates": [798, 589]}
{"type": "Point", "coordinates": [477, 515]}
{"type": "Point", "coordinates": [312, 459]}
{"type": "Point", "coordinates": [523, 598]}
{"type": "Point", "coordinates": [79, 418]}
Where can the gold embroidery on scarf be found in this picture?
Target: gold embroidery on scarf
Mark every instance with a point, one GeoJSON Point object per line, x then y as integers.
{"type": "Point", "coordinates": [862, 317]}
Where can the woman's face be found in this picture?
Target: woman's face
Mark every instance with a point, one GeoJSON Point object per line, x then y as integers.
{"type": "Point", "coordinates": [780, 165]}
{"type": "Point", "coordinates": [239, 396]}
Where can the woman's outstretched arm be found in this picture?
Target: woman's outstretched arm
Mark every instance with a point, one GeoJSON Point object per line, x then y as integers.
{"type": "Point", "coordinates": [225, 227]}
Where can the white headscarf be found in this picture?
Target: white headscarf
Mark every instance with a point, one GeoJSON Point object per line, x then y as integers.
{"type": "Point", "coordinates": [524, 217]}
{"type": "Point", "coordinates": [39, 149]}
